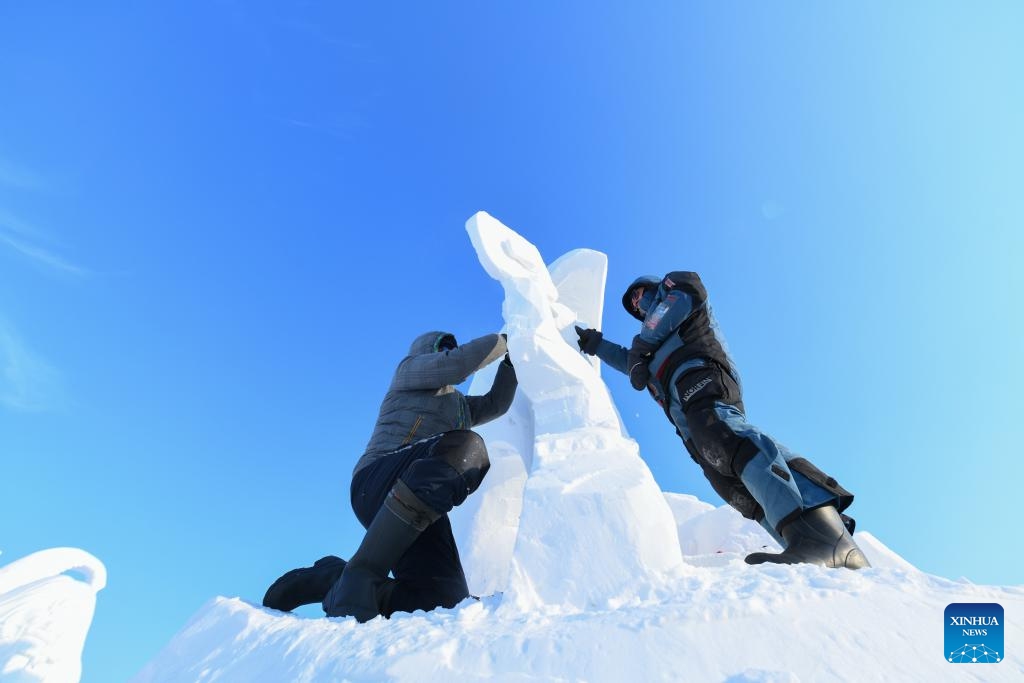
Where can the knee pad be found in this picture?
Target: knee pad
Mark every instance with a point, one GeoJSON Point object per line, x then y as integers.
{"type": "Point", "coordinates": [466, 452]}
{"type": "Point", "coordinates": [730, 489]}
{"type": "Point", "coordinates": [717, 444]}
{"type": "Point", "coordinates": [452, 469]}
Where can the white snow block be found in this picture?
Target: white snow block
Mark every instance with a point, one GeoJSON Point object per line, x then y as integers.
{"type": "Point", "coordinates": [563, 388]}
{"type": "Point", "coordinates": [579, 276]}
{"type": "Point", "coordinates": [723, 530]}
{"type": "Point", "coordinates": [45, 615]}
{"type": "Point", "coordinates": [594, 528]}
{"type": "Point", "coordinates": [486, 525]}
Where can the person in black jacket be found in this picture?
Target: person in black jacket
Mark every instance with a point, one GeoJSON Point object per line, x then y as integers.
{"type": "Point", "coordinates": [681, 358]}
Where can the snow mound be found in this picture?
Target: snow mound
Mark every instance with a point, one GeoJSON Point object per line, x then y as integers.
{"type": "Point", "coordinates": [45, 614]}
{"type": "Point", "coordinates": [730, 622]}
{"type": "Point", "coordinates": [591, 572]}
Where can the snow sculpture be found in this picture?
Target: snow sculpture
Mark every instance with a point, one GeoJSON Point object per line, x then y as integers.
{"type": "Point", "coordinates": [45, 614]}
{"type": "Point", "coordinates": [592, 528]}
{"type": "Point", "coordinates": [488, 522]}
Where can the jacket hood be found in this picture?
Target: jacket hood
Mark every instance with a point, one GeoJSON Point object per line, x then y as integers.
{"type": "Point", "coordinates": [651, 282]}
{"type": "Point", "coordinates": [428, 342]}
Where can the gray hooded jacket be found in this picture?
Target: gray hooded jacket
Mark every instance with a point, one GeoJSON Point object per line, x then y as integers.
{"type": "Point", "coordinates": [422, 400]}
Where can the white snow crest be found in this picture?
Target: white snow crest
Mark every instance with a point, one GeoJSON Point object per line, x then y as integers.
{"type": "Point", "coordinates": [594, 529]}
{"type": "Point", "coordinates": [45, 614]}
{"type": "Point", "coordinates": [563, 389]}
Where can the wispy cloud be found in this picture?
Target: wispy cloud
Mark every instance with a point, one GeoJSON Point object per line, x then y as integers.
{"type": "Point", "coordinates": [19, 177]}
{"type": "Point", "coordinates": [339, 125]}
{"type": "Point", "coordinates": [27, 382]}
{"type": "Point", "coordinates": [41, 256]}
{"type": "Point", "coordinates": [25, 240]}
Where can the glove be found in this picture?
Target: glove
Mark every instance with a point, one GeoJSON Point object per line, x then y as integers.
{"type": "Point", "coordinates": [508, 361]}
{"type": "Point", "coordinates": [639, 373]}
{"type": "Point", "coordinates": [637, 363]}
{"type": "Point", "coordinates": [588, 340]}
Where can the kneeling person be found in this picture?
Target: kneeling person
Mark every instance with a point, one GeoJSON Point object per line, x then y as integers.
{"type": "Point", "coordinates": [422, 460]}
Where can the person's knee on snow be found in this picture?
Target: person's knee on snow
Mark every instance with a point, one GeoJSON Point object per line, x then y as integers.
{"type": "Point", "coordinates": [363, 590]}
{"type": "Point", "coordinates": [428, 489]}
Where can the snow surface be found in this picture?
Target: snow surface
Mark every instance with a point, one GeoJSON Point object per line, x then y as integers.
{"type": "Point", "coordinates": [590, 571]}
{"type": "Point", "coordinates": [45, 614]}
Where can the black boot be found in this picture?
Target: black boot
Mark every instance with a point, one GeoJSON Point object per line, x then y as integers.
{"type": "Point", "coordinates": [364, 589]}
{"type": "Point", "coordinates": [817, 536]}
{"type": "Point", "coordinates": [304, 586]}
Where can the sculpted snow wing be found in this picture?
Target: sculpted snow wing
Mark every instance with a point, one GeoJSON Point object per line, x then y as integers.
{"type": "Point", "coordinates": [45, 614]}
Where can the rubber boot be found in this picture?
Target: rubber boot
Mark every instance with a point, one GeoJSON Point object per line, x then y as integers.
{"type": "Point", "coordinates": [304, 586]}
{"type": "Point", "coordinates": [364, 589]}
{"type": "Point", "coordinates": [817, 536]}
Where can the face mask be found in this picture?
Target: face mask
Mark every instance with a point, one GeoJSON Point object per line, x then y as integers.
{"type": "Point", "coordinates": [645, 301]}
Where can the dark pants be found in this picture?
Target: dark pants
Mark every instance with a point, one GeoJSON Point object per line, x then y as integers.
{"type": "Point", "coordinates": [753, 472]}
{"type": "Point", "coordinates": [430, 573]}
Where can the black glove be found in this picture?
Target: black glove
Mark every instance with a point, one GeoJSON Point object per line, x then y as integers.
{"type": "Point", "coordinates": [637, 363]}
{"type": "Point", "coordinates": [588, 340]}
{"type": "Point", "coordinates": [508, 361]}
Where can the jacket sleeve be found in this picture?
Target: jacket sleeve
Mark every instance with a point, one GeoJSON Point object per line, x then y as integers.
{"type": "Point", "coordinates": [670, 309]}
{"type": "Point", "coordinates": [436, 370]}
{"type": "Point", "coordinates": [613, 355]}
{"type": "Point", "coordinates": [498, 400]}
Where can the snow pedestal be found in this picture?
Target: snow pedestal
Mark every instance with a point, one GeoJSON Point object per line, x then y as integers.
{"type": "Point", "coordinates": [592, 529]}
{"type": "Point", "coordinates": [45, 614]}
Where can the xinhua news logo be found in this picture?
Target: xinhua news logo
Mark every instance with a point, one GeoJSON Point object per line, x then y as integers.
{"type": "Point", "coordinates": [974, 633]}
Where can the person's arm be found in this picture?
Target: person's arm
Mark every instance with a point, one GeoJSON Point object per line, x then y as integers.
{"type": "Point", "coordinates": [435, 370]}
{"type": "Point", "coordinates": [498, 400]}
{"type": "Point", "coordinates": [612, 355]}
{"type": "Point", "coordinates": [593, 343]}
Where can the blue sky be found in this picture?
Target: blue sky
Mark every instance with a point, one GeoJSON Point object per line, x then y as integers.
{"type": "Point", "coordinates": [222, 223]}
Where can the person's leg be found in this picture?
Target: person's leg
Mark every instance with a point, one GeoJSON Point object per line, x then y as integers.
{"type": "Point", "coordinates": [430, 573]}
{"type": "Point", "coordinates": [425, 490]}
{"type": "Point", "coordinates": [730, 444]}
{"type": "Point", "coordinates": [370, 485]}
{"type": "Point", "coordinates": [800, 508]}
{"type": "Point", "coordinates": [703, 383]}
